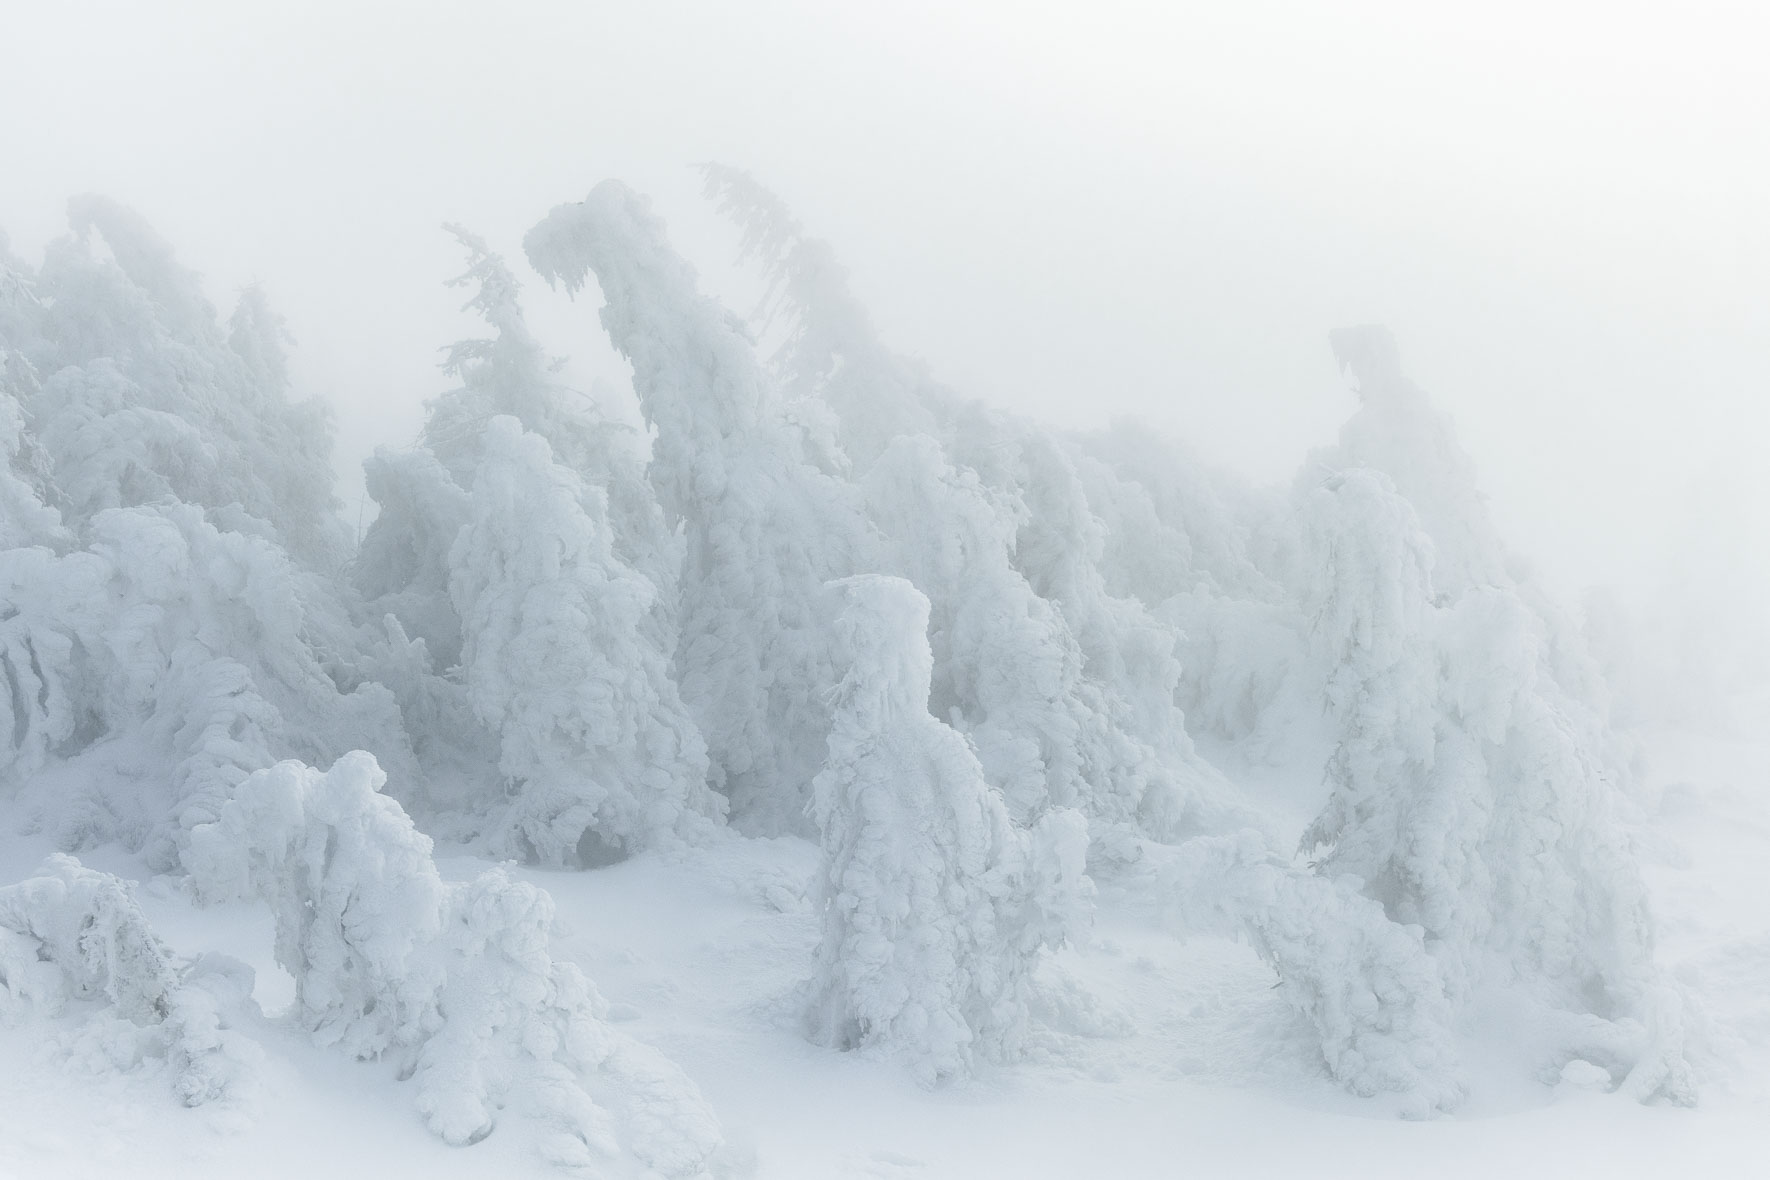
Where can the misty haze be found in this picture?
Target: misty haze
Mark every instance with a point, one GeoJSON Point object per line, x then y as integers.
{"type": "Point", "coordinates": [804, 591]}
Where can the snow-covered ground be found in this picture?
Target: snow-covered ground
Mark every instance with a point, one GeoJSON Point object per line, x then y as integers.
{"type": "Point", "coordinates": [1152, 1055]}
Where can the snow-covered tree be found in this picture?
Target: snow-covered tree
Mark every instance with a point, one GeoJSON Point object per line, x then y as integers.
{"type": "Point", "coordinates": [26, 516]}
{"type": "Point", "coordinates": [1462, 794]}
{"type": "Point", "coordinates": [598, 752]}
{"type": "Point", "coordinates": [1144, 774]}
{"type": "Point", "coordinates": [935, 906]}
{"type": "Point", "coordinates": [1397, 430]}
{"type": "Point", "coordinates": [510, 373]}
{"type": "Point", "coordinates": [764, 527]}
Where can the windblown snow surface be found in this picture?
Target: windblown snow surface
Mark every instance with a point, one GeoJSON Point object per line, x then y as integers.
{"type": "Point", "coordinates": [841, 779]}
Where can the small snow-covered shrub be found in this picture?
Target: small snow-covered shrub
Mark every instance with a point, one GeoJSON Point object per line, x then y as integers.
{"type": "Point", "coordinates": [1366, 985]}
{"type": "Point", "coordinates": [521, 1029]}
{"type": "Point", "coordinates": [454, 981]}
{"type": "Point", "coordinates": [935, 906]}
{"type": "Point", "coordinates": [70, 934]}
{"type": "Point", "coordinates": [356, 897]}
{"type": "Point", "coordinates": [75, 934]}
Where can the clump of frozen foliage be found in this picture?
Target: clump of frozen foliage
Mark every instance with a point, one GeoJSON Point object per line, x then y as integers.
{"type": "Point", "coordinates": [170, 638]}
{"type": "Point", "coordinates": [935, 906]}
{"type": "Point", "coordinates": [73, 936]}
{"type": "Point", "coordinates": [70, 933]}
{"type": "Point", "coordinates": [455, 982]}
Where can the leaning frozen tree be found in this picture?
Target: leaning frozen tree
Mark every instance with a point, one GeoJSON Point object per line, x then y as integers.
{"type": "Point", "coordinates": [764, 527]}
{"type": "Point", "coordinates": [935, 906]}
{"type": "Point", "coordinates": [1463, 796]}
{"type": "Point", "coordinates": [830, 363]}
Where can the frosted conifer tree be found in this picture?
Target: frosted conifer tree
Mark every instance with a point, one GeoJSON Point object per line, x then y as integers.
{"type": "Point", "coordinates": [764, 527]}
{"type": "Point", "coordinates": [525, 520]}
{"type": "Point", "coordinates": [148, 397]}
{"type": "Point", "coordinates": [26, 516]}
{"type": "Point", "coordinates": [1397, 431]}
{"type": "Point", "coordinates": [935, 906]}
{"type": "Point", "coordinates": [599, 755]}
{"type": "Point", "coordinates": [1463, 796]}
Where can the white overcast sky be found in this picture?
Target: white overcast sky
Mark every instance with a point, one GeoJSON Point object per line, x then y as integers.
{"type": "Point", "coordinates": [1081, 210]}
